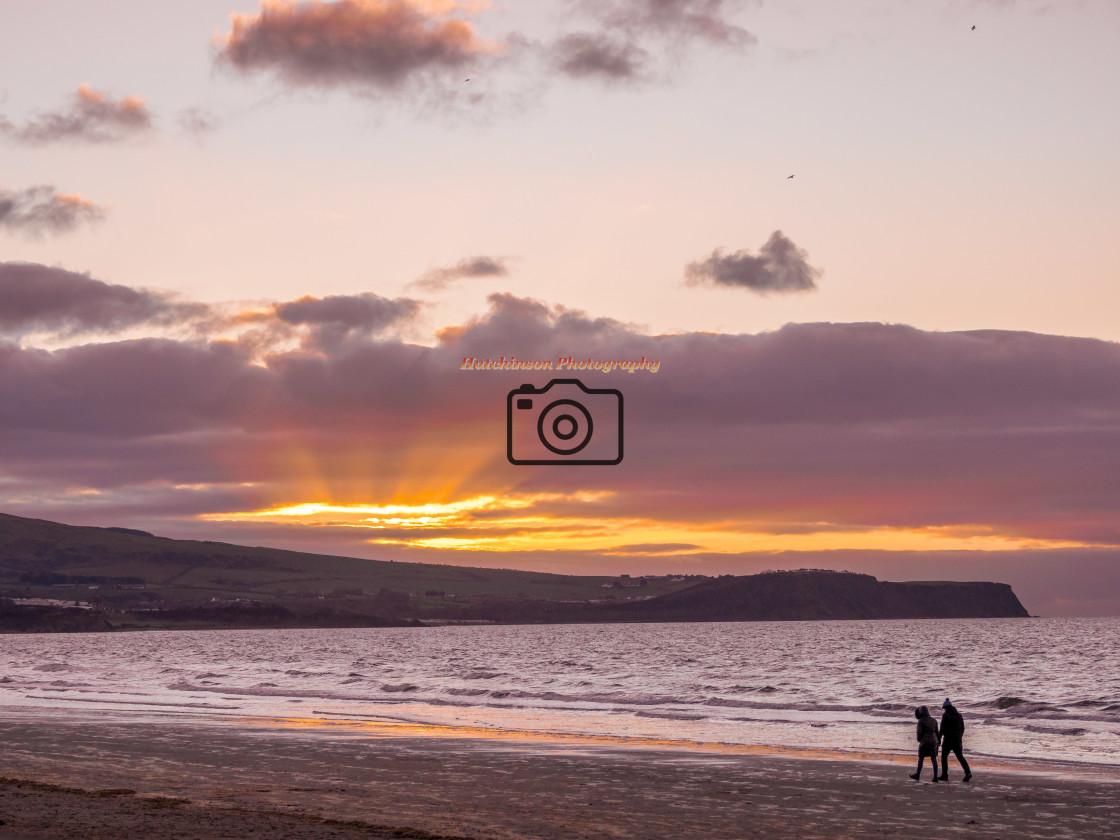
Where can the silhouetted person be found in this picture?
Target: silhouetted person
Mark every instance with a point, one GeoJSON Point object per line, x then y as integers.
{"type": "Point", "coordinates": [928, 739]}
{"type": "Point", "coordinates": [952, 731]}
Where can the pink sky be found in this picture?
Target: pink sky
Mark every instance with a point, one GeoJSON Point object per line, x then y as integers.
{"type": "Point", "coordinates": [242, 259]}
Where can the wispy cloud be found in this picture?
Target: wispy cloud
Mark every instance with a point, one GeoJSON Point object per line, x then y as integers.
{"type": "Point", "coordinates": [197, 121]}
{"type": "Point", "coordinates": [468, 267]}
{"type": "Point", "coordinates": [41, 209]}
{"type": "Point", "coordinates": [91, 117]}
{"type": "Point", "coordinates": [600, 56]}
{"type": "Point", "coordinates": [706, 20]}
{"type": "Point", "coordinates": [632, 36]}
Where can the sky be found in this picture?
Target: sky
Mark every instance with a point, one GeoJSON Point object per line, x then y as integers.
{"type": "Point", "coordinates": [854, 260]}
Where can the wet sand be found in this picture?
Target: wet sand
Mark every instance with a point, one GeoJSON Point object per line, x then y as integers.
{"type": "Point", "coordinates": [181, 780]}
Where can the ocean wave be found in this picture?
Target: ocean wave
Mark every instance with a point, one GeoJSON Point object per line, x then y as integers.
{"type": "Point", "coordinates": [741, 689]}
{"type": "Point", "coordinates": [136, 702]}
{"type": "Point", "coordinates": [1055, 730]}
{"type": "Point", "coordinates": [598, 697]}
{"type": "Point", "coordinates": [875, 709]}
{"type": "Point", "coordinates": [669, 715]}
{"type": "Point", "coordinates": [1021, 707]}
{"type": "Point", "coordinates": [527, 698]}
{"type": "Point", "coordinates": [262, 690]}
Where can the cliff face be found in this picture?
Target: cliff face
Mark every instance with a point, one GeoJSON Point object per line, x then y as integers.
{"type": "Point", "coordinates": [956, 599]}
{"type": "Point", "coordinates": [822, 595]}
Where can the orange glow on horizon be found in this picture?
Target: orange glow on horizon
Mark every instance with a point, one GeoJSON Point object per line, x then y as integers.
{"type": "Point", "coordinates": [528, 522]}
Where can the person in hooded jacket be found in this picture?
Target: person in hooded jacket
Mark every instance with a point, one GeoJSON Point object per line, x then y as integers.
{"type": "Point", "coordinates": [952, 733]}
{"type": "Point", "coordinates": [928, 739]}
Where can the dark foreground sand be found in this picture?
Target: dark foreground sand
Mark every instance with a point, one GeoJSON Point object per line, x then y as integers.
{"type": "Point", "coordinates": [127, 780]}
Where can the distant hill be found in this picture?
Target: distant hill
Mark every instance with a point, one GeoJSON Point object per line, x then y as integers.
{"type": "Point", "coordinates": [124, 570]}
{"type": "Point", "coordinates": [132, 579]}
{"type": "Point", "coordinates": [825, 595]}
{"type": "Point", "coordinates": [805, 595]}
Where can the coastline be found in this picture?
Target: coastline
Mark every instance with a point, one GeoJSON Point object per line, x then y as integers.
{"type": "Point", "coordinates": [274, 781]}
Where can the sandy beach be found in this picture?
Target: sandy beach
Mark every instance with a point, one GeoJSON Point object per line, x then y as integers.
{"type": "Point", "coordinates": [246, 780]}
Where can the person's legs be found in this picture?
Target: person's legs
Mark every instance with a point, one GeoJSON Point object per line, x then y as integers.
{"type": "Point", "coordinates": [933, 764]}
{"type": "Point", "coordinates": [957, 751]}
{"type": "Point", "coordinates": [946, 748]}
{"type": "Point", "coordinates": [923, 751]}
{"type": "Point", "coordinates": [921, 761]}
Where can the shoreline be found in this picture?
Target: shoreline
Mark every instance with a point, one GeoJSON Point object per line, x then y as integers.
{"type": "Point", "coordinates": [337, 723]}
{"type": "Point", "coordinates": [321, 724]}
{"type": "Point", "coordinates": [287, 781]}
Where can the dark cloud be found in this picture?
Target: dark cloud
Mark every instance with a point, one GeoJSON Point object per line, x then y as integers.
{"type": "Point", "coordinates": [126, 389]}
{"type": "Point", "coordinates": [779, 266]}
{"type": "Point", "coordinates": [40, 210]}
{"type": "Point", "coordinates": [337, 317]}
{"type": "Point", "coordinates": [381, 44]}
{"type": "Point", "coordinates": [35, 298]}
{"type": "Point", "coordinates": [91, 118]}
{"type": "Point", "coordinates": [859, 425]}
{"type": "Point", "coordinates": [811, 428]}
{"type": "Point", "coordinates": [596, 55]}
{"type": "Point", "coordinates": [466, 268]}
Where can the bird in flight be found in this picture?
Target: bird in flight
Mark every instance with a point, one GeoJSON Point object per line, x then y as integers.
{"type": "Point", "coordinates": [974, 27]}
{"type": "Point", "coordinates": [789, 177]}
{"type": "Point", "coordinates": [467, 80]}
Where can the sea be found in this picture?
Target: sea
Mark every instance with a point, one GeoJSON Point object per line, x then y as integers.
{"type": "Point", "coordinates": [1043, 692]}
